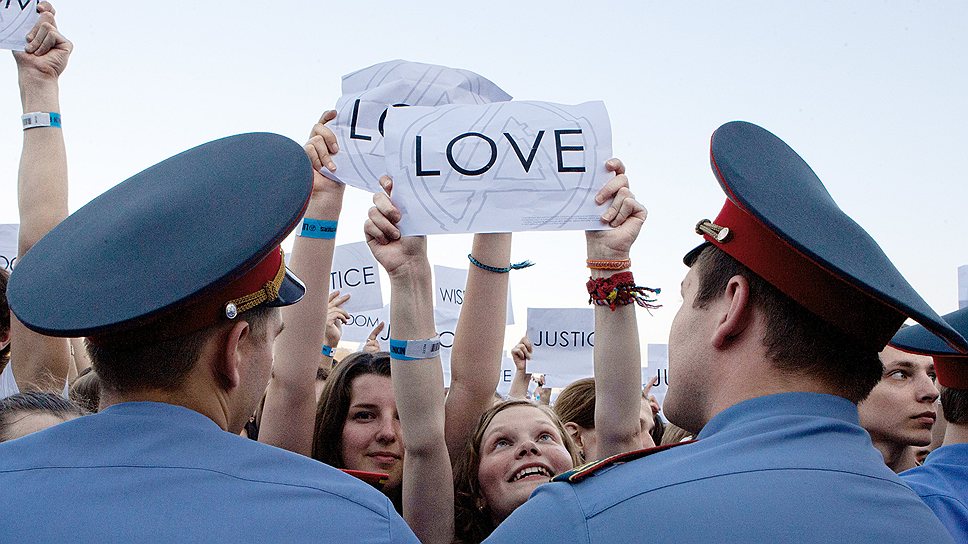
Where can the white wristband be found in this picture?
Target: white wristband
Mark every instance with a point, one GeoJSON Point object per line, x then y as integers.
{"type": "Point", "coordinates": [39, 119]}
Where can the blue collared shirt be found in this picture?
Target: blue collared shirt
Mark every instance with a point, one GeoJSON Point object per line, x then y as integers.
{"type": "Point", "coordinates": [942, 483]}
{"type": "Point", "coordinates": [793, 467]}
{"type": "Point", "coordinates": [153, 472]}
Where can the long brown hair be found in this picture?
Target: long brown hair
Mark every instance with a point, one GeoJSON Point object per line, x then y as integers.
{"type": "Point", "coordinates": [4, 317]}
{"type": "Point", "coordinates": [473, 519]}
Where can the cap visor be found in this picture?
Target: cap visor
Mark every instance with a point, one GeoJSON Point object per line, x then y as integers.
{"type": "Point", "coordinates": [291, 291]}
{"type": "Point", "coordinates": [691, 256]}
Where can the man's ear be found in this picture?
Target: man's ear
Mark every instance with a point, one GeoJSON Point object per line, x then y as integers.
{"type": "Point", "coordinates": [574, 430]}
{"type": "Point", "coordinates": [737, 312]}
{"type": "Point", "coordinates": [227, 366]}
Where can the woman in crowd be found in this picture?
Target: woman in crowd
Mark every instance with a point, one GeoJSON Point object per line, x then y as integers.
{"type": "Point", "coordinates": [901, 409]}
{"type": "Point", "coordinates": [25, 413]}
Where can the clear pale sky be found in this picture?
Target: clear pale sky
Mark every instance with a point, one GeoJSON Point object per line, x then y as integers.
{"type": "Point", "coordinates": [871, 94]}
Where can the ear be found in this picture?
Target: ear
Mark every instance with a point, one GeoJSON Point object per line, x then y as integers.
{"type": "Point", "coordinates": [574, 430]}
{"type": "Point", "coordinates": [227, 366]}
{"type": "Point", "coordinates": [735, 319]}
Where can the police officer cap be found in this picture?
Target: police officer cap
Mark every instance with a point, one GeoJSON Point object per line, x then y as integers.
{"type": "Point", "coordinates": [951, 366]}
{"type": "Point", "coordinates": [180, 246]}
{"type": "Point", "coordinates": [781, 223]}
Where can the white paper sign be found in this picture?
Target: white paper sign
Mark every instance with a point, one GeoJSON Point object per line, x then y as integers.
{"type": "Point", "coordinates": [8, 246]}
{"type": "Point", "coordinates": [368, 93]}
{"type": "Point", "coordinates": [17, 18]}
{"type": "Point", "coordinates": [361, 324]}
{"type": "Point", "coordinates": [507, 376]}
{"type": "Point", "coordinates": [355, 271]}
{"type": "Point", "coordinates": [509, 166]}
{"type": "Point", "coordinates": [962, 286]}
{"type": "Point", "coordinates": [449, 286]}
{"type": "Point", "coordinates": [657, 372]}
{"type": "Point", "coordinates": [564, 340]}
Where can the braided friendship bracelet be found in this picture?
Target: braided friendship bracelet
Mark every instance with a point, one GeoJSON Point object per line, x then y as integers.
{"type": "Point", "coordinates": [505, 270]}
{"type": "Point", "coordinates": [608, 264]}
{"type": "Point", "coordinates": [619, 290]}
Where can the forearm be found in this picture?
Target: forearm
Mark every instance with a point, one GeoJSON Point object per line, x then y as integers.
{"type": "Point", "coordinates": [519, 385]}
{"type": "Point", "coordinates": [418, 387]}
{"type": "Point", "coordinates": [42, 181]}
{"type": "Point", "coordinates": [617, 359]}
{"type": "Point", "coordinates": [288, 418]}
{"type": "Point", "coordinates": [478, 340]}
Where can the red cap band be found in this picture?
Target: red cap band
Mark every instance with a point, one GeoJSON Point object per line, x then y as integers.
{"type": "Point", "coordinates": [952, 370]}
{"type": "Point", "coordinates": [824, 293]}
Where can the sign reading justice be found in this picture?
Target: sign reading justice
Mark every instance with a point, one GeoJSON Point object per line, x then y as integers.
{"type": "Point", "coordinates": [508, 166]}
{"type": "Point", "coordinates": [356, 272]}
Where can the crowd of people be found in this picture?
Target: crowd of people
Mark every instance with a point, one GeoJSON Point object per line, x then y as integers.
{"type": "Point", "coordinates": [209, 401]}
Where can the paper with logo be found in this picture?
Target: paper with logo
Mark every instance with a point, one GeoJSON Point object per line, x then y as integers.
{"type": "Point", "coordinates": [8, 246]}
{"type": "Point", "coordinates": [17, 18]}
{"type": "Point", "coordinates": [368, 93]}
{"type": "Point", "coordinates": [564, 341]}
{"type": "Point", "coordinates": [502, 167]}
{"type": "Point", "coordinates": [355, 271]}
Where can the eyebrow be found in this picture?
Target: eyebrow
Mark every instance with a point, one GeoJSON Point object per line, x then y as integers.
{"type": "Point", "coordinates": [363, 405]}
{"type": "Point", "coordinates": [907, 365]}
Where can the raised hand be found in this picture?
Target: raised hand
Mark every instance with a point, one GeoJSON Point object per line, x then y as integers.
{"type": "Point", "coordinates": [625, 214]}
{"type": "Point", "coordinates": [336, 316]}
{"type": "Point", "coordinates": [47, 51]}
{"type": "Point", "coordinates": [372, 345]}
{"type": "Point", "coordinates": [397, 254]}
{"type": "Point", "coordinates": [521, 353]}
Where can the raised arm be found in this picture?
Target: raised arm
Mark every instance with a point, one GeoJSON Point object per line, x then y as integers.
{"type": "Point", "coordinates": [475, 360]}
{"type": "Point", "coordinates": [418, 381]}
{"type": "Point", "coordinates": [41, 362]}
{"type": "Point", "coordinates": [522, 378]}
{"type": "Point", "coordinates": [289, 416]}
{"type": "Point", "coordinates": [618, 361]}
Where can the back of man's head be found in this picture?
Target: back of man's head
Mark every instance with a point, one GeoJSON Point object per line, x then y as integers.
{"type": "Point", "coordinates": [797, 342]}
{"type": "Point", "coordinates": [955, 405]}
{"type": "Point", "coordinates": [131, 366]}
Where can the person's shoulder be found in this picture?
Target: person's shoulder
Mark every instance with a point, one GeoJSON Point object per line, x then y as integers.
{"type": "Point", "coordinates": [555, 508]}
{"type": "Point", "coordinates": [583, 472]}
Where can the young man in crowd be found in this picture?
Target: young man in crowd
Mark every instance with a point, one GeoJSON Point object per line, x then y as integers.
{"type": "Point", "coordinates": [942, 481]}
{"type": "Point", "coordinates": [176, 277]}
{"type": "Point", "coordinates": [785, 308]}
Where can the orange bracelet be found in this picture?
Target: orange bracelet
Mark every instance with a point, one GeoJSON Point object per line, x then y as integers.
{"type": "Point", "coordinates": [606, 264]}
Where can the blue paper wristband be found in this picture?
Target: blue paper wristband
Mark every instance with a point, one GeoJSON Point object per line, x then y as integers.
{"type": "Point", "coordinates": [327, 351]}
{"type": "Point", "coordinates": [414, 350]}
{"type": "Point", "coordinates": [318, 228]}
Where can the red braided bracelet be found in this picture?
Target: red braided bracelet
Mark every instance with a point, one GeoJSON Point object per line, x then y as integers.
{"type": "Point", "coordinates": [619, 290]}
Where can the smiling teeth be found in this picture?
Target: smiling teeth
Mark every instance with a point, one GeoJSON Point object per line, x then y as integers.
{"type": "Point", "coordinates": [529, 471]}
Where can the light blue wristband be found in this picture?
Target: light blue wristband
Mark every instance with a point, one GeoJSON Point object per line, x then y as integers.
{"type": "Point", "coordinates": [327, 351]}
{"type": "Point", "coordinates": [414, 350]}
{"type": "Point", "coordinates": [318, 228]}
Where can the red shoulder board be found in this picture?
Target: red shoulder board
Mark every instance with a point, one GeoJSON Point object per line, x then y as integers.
{"type": "Point", "coordinates": [578, 474]}
{"type": "Point", "coordinates": [376, 479]}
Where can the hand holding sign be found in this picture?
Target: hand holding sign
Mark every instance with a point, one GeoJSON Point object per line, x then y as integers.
{"type": "Point", "coordinates": [396, 254]}
{"type": "Point", "coordinates": [322, 144]}
{"type": "Point", "coordinates": [46, 52]}
{"type": "Point", "coordinates": [624, 213]}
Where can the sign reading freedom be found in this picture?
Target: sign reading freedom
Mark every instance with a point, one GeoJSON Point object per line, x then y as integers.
{"type": "Point", "coordinates": [502, 167]}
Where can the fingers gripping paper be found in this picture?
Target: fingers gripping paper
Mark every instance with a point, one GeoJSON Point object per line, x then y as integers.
{"type": "Point", "coordinates": [17, 17]}
{"type": "Point", "coordinates": [368, 93]}
{"type": "Point", "coordinates": [510, 166]}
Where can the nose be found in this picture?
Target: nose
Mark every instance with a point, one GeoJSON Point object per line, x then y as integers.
{"type": "Point", "coordinates": [388, 431]}
{"type": "Point", "coordinates": [927, 391]}
{"type": "Point", "coordinates": [528, 447]}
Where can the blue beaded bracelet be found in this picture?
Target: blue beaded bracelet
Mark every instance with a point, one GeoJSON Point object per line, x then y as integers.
{"type": "Point", "coordinates": [505, 270]}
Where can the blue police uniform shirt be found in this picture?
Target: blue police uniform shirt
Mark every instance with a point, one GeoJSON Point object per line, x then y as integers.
{"type": "Point", "coordinates": [792, 467]}
{"type": "Point", "coordinates": [153, 472]}
{"type": "Point", "coordinates": [942, 483]}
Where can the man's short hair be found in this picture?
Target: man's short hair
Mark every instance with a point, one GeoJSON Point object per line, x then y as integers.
{"type": "Point", "coordinates": [797, 341]}
{"type": "Point", "coordinates": [165, 364]}
{"type": "Point", "coordinates": [954, 404]}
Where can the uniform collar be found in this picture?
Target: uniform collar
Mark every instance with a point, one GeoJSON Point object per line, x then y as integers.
{"type": "Point", "coordinates": [950, 454]}
{"type": "Point", "coordinates": [173, 414]}
{"type": "Point", "coordinates": [782, 404]}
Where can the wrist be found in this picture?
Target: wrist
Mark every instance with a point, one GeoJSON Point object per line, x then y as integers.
{"type": "Point", "coordinates": [416, 271]}
{"type": "Point", "coordinates": [39, 96]}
